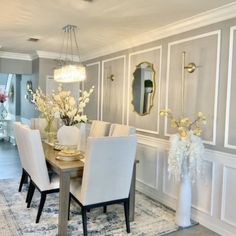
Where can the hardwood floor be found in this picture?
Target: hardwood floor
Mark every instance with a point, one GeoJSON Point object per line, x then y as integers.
{"type": "Point", "coordinates": [10, 167]}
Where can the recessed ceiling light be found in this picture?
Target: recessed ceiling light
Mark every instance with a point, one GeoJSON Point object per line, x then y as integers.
{"type": "Point", "coordinates": [33, 39]}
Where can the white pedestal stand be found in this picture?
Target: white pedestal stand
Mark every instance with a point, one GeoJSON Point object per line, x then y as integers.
{"type": "Point", "coordinates": [183, 210]}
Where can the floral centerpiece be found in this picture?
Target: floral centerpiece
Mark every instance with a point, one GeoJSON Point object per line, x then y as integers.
{"type": "Point", "coordinates": [70, 111]}
{"type": "Point", "coordinates": [185, 159]}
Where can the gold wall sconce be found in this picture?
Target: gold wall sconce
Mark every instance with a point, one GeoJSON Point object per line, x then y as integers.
{"type": "Point", "coordinates": [111, 77]}
{"type": "Point", "coordinates": [191, 67]}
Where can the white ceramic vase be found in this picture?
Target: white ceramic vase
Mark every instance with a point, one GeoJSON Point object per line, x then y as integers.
{"type": "Point", "coordinates": [68, 135]}
{"type": "Point", "coordinates": [183, 210]}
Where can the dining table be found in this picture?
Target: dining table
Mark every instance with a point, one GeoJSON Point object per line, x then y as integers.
{"type": "Point", "coordinates": [66, 170]}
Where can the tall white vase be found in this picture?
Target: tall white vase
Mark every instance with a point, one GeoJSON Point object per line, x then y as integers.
{"type": "Point", "coordinates": [183, 210]}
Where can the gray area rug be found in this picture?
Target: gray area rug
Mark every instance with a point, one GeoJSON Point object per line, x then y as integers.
{"type": "Point", "coordinates": [151, 217]}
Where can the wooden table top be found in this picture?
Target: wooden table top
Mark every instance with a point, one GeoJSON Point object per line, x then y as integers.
{"type": "Point", "coordinates": [58, 165]}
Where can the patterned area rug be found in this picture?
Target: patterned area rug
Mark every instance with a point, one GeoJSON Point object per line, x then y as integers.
{"type": "Point", "coordinates": [151, 218]}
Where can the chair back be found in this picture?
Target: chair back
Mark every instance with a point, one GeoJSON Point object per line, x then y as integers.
{"type": "Point", "coordinates": [39, 124]}
{"type": "Point", "coordinates": [99, 128]}
{"type": "Point", "coordinates": [121, 130]}
{"type": "Point", "coordinates": [20, 141]}
{"type": "Point", "coordinates": [38, 169]}
{"type": "Point", "coordinates": [108, 169]}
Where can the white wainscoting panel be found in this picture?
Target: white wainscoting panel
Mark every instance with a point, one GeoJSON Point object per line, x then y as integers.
{"type": "Point", "coordinates": [147, 168]}
{"type": "Point", "coordinates": [202, 189]}
{"type": "Point", "coordinates": [228, 208]}
{"type": "Point", "coordinates": [213, 194]}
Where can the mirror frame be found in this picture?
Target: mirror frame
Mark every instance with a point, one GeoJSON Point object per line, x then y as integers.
{"type": "Point", "coordinates": [154, 87]}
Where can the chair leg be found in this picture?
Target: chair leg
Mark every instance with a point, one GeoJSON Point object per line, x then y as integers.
{"type": "Point", "coordinates": [30, 193]}
{"type": "Point", "coordinates": [126, 209]}
{"type": "Point", "coordinates": [84, 219]}
{"type": "Point", "coordinates": [22, 180]}
{"type": "Point", "coordinates": [69, 207]}
{"type": "Point", "coordinates": [105, 209]}
{"type": "Point", "coordinates": [41, 204]}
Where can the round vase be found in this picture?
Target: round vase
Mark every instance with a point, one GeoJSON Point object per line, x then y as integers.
{"type": "Point", "coordinates": [183, 209]}
{"type": "Point", "coordinates": [68, 135]}
{"type": "Point", "coordinates": [3, 111]}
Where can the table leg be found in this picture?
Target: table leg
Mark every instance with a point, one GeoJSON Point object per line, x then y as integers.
{"type": "Point", "coordinates": [132, 195]}
{"type": "Point", "coordinates": [63, 203]}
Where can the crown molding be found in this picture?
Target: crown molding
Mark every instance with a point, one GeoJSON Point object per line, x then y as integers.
{"type": "Point", "coordinates": [209, 17]}
{"type": "Point", "coordinates": [16, 56]}
{"type": "Point", "coordinates": [55, 55]}
{"type": "Point", "coordinates": [212, 16]}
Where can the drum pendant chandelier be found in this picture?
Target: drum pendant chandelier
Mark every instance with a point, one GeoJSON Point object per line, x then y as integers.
{"type": "Point", "coordinates": [69, 70]}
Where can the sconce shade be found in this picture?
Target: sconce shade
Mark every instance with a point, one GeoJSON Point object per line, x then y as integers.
{"type": "Point", "coordinates": [69, 70]}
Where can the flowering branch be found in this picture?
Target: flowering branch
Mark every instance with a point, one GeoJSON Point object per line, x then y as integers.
{"type": "Point", "coordinates": [184, 125]}
{"type": "Point", "coordinates": [70, 110]}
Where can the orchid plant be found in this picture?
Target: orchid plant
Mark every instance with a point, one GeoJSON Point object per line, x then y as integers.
{"type": "Point", "coordinates": [183, 124]}
{"type": "Point", "coordinates": [186, 148]}
{"type": "Point", "coordinates": [70, 110]}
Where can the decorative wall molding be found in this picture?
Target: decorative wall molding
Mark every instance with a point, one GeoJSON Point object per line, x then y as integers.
{"type": "Point", "coordinates": [15, 56]}
{"type": "Point", "coordinates": [212, 16]}
{"type": "Point", "coordinates": [158, 86]}
{"type": "Point", "coordinates": [207, 216]}
{"type": "Point", "coordinates": [226, 167]}
{"type": "Point", "coordinates": [124, 76]}
{"type": "Point", "coordinates": [229, 80]}
{"type": "Point", "coordinates": [99, 84]}
{"type": "Point", "coordinates": [218, 33]}
{"type": "Point", "coordinates": [56, 56]}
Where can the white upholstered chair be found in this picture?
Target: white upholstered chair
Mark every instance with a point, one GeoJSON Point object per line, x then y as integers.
{"type": "Point", "coordinates": [121, 130]}
{"type": "Point", "coordinates": [38, 169]}
{"type": "Point", "coordinates": [99, 128]}
{"type": "Point", "coordinates": [108, 180]}
{"type": "Point", "coordinates": [39, 124]}
{"type": "Point", "coordinates": [20, 141]}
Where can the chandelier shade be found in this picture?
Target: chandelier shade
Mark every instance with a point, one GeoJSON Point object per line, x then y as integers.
{"type": "Point", "coordinates": [69, 69]}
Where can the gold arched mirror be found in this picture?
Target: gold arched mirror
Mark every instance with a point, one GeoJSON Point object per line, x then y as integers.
{"type": "Point", "coordinates": [143, 88]}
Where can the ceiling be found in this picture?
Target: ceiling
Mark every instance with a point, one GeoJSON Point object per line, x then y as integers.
{"type": "Point", "coordinates": [100, 22]}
